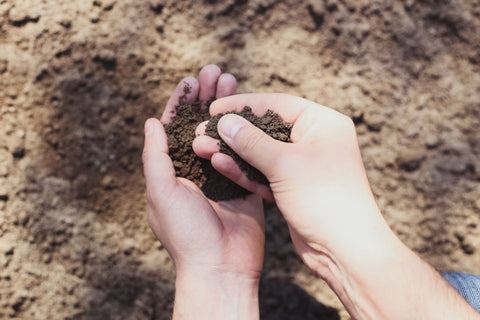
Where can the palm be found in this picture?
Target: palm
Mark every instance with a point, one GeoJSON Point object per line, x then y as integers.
{"type": "Point", "coordinates": [196, 231]}
{"type": "Point", "coordinates": [228, 234]}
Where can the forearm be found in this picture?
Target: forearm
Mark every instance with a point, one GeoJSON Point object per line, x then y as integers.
{"type": "Point", "coordinates": [386, 280]}
{"type": "Point", "coordinates": [212, 296]}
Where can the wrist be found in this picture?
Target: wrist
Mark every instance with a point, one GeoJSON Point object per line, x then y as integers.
{"type": "Point", "coordinates": [367, 278]}
{"type": "Point", "coordinates": [387, 280]}
{"type": "Point", "coordinates": [357, 259]}
{"type": "Point", "coordinates": [213, 293]}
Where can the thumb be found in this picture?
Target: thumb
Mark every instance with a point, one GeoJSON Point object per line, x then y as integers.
{"type": "Point", "coordinates": [250, 143]}
{"type": "Point", "coordinates": [157, 165]}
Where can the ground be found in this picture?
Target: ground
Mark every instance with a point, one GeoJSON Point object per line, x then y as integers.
{"type": "Point", "coordinates": [79, 78]}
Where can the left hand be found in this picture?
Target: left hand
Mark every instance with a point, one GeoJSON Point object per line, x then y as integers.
{"type": "Point", "coordinates": [216, 247]}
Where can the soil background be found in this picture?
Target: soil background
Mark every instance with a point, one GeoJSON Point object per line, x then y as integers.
{"type": "Point", "coordinates": [79, 78]}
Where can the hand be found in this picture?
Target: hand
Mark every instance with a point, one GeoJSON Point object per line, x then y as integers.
{"type": "Point", "coordinates": [318, 181]}
{"type": "Point", "coordinates": [319, 184]}
{"type": "Point", "coordinates": [217, 248]}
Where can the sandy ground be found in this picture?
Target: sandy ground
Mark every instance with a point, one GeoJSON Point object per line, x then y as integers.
{"type": "Point", "coordinates": [79, 78]}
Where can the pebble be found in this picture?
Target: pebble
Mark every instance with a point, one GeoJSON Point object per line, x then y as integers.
{"type": "Point", "coordinates": [468, 248]}
{"type": "Point", "coordinates": [19, 299]}
{"type": "Point", "coordinates": [107, 57]}
{"type": "Point", "coordinates": [410, 160]}
{"type": "Point", "coordinates": [157, 6]}
{"type": "Point", "coordinates": [21, 134]}
{"type": "Point", "coordinates": [105, 4]}
{"type": "Point", "coordinates": [18, 152]}
{"type": "Point", "coordinates": [7, 246]}
{"type": "Point", "coordinates": [160, 25]}
{"type": "Point", "coordinates": [476, 172]}
{"type": "Point", "coordinates": [108, 182]}
{"type": "Point", "coordinates": [3, 66]}
{"type": "Point", "coordinates": [129, 246]}
{"type": "Point", "coordinates": [476, 203]}
{"type": "Point", "coordinates": [4, 170]}
{"type": "Point", "coordinates": [317, 11]}
{"type": "Point", "coordinates": [432, 141]}
{"type": "Point", "coordinates": [66, 23]}
{"type": "Point", "coordinates": [94, 16]}
{"type": "Point", "coordinates": [19, 16]}
{"type": "Point", "coordinates": [3, 195]}
{"type": "Point", "coordinates": [374, 122]}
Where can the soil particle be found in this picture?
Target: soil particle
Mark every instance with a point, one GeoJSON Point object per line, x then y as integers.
{"type": "Point", "coordinates": [410, 160]}
{"type": "Point", "coordinates": [18, 152]}
{"type": "Point", "coordinates": [108, 182]}
{"type": "Point", "coordinates": [317, 12]}
{"type": "Point", "coordinates": [181, 133]}
{"type": "Point", "coordinates": [3, 194]}
{"type": "Point", "coordinates": [19, 299]}
{"type": "Point", "coordinates": [20, 17]}
{"type": "Point", "coordinates": [3, 65]}
{"type": "Point", "coordinates": [107, 58]}
{"type": "Point", "coordinates": [374, 122]}
{"type": "Point", "coordinates": [157, 6]}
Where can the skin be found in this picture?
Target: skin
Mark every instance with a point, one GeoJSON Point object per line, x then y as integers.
{"type": "Point", "coordinates": [217, 248]}
{"type": "Point", "coordinates": [318, 182]}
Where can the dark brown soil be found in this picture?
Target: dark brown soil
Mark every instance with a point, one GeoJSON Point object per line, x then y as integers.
{"type": "Point", "coordinates": [270, 123]}
{"type": "Point", "coordinates": [181, 133]}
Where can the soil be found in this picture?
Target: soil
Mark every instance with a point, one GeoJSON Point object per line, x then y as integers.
{"type": "Point", "coordinates": [181, 132]}
{"type": "Point", "coordinates": [271, 123]}
{"type": "Point", "coordinates": [79, 78]}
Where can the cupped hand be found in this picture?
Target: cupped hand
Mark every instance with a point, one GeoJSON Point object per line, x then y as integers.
{"type": "Point", "coordinates": [202, 237]}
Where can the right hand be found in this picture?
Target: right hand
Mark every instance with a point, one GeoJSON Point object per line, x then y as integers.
{"type": "Point", "coordinates": [318, 181]}
{"type": "Point", "coordinates": [319, 184]}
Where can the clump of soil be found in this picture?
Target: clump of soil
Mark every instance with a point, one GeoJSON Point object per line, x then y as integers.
{"type": "Point", "coordinates": [270, 123]}
{"type": "Point", "coordinates": [181, 133]}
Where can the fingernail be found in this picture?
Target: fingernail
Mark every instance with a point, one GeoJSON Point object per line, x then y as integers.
{"type": "Point", "coordinates": [149, 126]}
{"type": "Point", "coordinates": [230, 124]}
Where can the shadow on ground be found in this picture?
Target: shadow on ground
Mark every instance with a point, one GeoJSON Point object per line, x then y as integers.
{"type": "Point", "coordinates": [282, 300]}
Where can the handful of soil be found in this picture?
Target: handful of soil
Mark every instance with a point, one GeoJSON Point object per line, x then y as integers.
{"type": "Point", "coordinates": [181, 133]}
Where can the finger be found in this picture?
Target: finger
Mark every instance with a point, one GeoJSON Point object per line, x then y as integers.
{"type": "Point", "coordinates": [227, 167]}
{"type": "Point", "coordinates": [201, 128]}
{"type": "Point", "coordinates": [287, 106]}
{"type": "Point", "coordinates": [205, 146]}
{"type": "Point", "coordinates": [251, 143]}
{"type": "Point", "coordinates": [185, 92]}
{"type": "Point", "coordinates": [157, 165]}
{"type": "Point", "coordinates": [226, 86]}
{"type": "Point", "coordinates": [208, 78]}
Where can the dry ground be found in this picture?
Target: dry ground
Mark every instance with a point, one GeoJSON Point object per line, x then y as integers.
{"type": "Point", "coordinates": [79, 78]}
